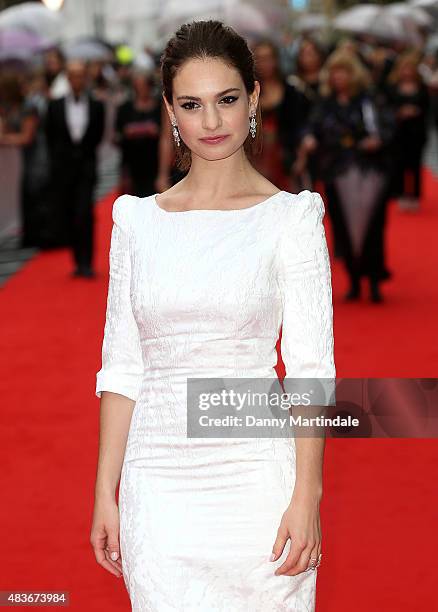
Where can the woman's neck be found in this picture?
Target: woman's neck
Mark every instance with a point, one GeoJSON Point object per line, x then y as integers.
{"type": "Point", "coordinates": [221, 179]}
{"type": "Point", "coordinates": [343, 96]}
{"type": "Point", "coordinates": [143, 101]}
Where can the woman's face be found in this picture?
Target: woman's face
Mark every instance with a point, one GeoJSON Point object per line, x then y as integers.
{"type": "Point", "coordinates": [266, 62]}
{"type": "Point", "coordinates": [209, 101]}
{"type": "Point", "coordinates": [340, 79]}
{"type": "Point", "coordinates": [53, 62]}
{"type": "Point", "coordinates": [309, 57]}
{"type": "Point", "coordinates": [407, 71]}
{"type": "Point", "coordinates": [140, 84]}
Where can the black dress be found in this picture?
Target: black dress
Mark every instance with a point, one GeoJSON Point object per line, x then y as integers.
{"type": "Point", "coordinates": [357, 182]}
{"type": "Point", "coordinates": [140, 147]}
{"type": "Point", "coordinates": [282, 126]}
{"type": "Point", "coordinates": [34, 174]}
{"type": "Point", "coordinates": [410, 139]}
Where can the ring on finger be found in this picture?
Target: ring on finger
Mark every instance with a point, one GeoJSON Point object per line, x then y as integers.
{"type": "Point", "coordinates": [312, 565]}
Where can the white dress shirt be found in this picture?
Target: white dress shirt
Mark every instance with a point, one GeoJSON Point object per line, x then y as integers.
{"type": "Point", "coordinates": [76, 113]}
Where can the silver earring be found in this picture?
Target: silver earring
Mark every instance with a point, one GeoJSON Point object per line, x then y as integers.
{"type": "Point", "coordinates": [253, 125]}
{"type": "Point", "coordinates": [175, 132]}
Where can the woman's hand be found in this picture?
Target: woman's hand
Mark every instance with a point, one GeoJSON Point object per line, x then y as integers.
{"type": "Point", "coordinates": [105, 535]}
{"type": "Point", "coordinates": [301, 523]}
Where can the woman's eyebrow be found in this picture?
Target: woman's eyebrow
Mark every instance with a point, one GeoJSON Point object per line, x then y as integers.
{"type": "Point", "coordinates": [222, 93]}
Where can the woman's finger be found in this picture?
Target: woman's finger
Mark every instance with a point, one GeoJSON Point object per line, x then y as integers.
{"type": "Point", "coordinates": [103, 561]}
{"type": "Point", "coordinates": [112, 548]}
{"type": "Point", "coordinates": [303, 562]}
{"type": "Point", "coordinates": [294, 554]}
{"type": "Point", "coordinates": [313, 558]}
{"type": "Point", "coordinates": [113, 544]}
{"type": "Point", "coordinates": [116, 564]}
{"type": "Point", "coordinates": [277, 549]}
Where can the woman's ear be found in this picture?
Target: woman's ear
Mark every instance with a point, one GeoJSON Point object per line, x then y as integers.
{"type": "Point", "coordinates": [254, 98]}
{"type": "Point", "coordinates": [169, 108]}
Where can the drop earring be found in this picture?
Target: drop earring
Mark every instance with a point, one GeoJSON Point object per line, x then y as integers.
{"type": "Point", "coordinates": [175, 132]}
{"type": "Point", "coordinates": [253, 125]}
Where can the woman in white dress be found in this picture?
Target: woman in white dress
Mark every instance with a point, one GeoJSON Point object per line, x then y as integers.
{"type": "Point", "coordinates": [202, 277]}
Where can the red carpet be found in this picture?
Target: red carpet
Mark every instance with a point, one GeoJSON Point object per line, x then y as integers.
{"type": "Point", "coordinates": [379, 511]}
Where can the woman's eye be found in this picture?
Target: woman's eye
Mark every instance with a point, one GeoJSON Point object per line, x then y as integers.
{"type": "Point", "coordinates": [192, 105]}
{"type": "Point", "coordinates": [229, 99]}
{"type": "Point", "coordinates": [188, 105]}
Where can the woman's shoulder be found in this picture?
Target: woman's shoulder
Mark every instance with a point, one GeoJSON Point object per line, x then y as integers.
{"type": "Point", "coordinates": [298, 207]}
{"type": "Point", "coordinates": [125, 208]}
{"type": "Point", "coordinates": [303, 233]}
{"type": "Point", "coordinates": [303, 205]}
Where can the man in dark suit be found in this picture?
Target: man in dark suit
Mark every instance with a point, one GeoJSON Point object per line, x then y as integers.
{"type": "Point", "coordinates": [74, 127]}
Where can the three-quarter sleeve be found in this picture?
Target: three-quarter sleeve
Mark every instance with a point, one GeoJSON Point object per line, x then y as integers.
{"type": "Point", "coordinates": [122, 362]}
{"type": "Point", "coordinates": [307, 344]}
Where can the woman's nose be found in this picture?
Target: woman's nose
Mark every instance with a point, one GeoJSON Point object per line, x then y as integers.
{"type": "Point", "coordinates": [211, 119]}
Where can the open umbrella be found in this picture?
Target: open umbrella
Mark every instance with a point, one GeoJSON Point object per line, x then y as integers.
{"type": "Point", "coordinates": [20, 45]}
{"type": "Point", "coordinates": [357, 18]}
{"type": "Point", "coordinates": [87, 49]}
{"type": "Point", "coordinates": [428, 6]}
{"type": "Point", "coordinates": [378, 21]}
{"type": "Point", "coordinates": [32, 17]}
{"type": "Point", "coordinates": [310, 22]}
{"type": "Point", "coordinates": [242, 16]}
{"type": "Point", "coordinates": [408, 12]}
{"type": "Point", "coordinates": [425, 4]}
{"type": "Point", "coordinates": [133, 9]}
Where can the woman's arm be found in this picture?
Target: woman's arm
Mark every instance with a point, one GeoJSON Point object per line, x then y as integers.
{"type": "Point", "coordinates": [115, 418]}
{"type": "Point", "coordinates": [118, 385]}
{"type": "Point", "coordinates": [307, 349]}
{"type": "Point", "coordinates": [25, 136]}
{"type": "Point", "coordinates": [307, 344]}
{"type": "Point", "coordinates": [309, 137]}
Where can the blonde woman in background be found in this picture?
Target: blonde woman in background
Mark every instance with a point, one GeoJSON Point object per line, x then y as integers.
{"type": "Point", "coordinates": [351, 135]}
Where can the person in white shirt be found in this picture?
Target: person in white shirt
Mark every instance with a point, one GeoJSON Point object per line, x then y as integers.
{"type": "Point", "coordinates": [75, 126]}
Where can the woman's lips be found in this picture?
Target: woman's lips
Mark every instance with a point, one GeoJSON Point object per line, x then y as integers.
{"type": "Point", "coordinates": [214, 140]}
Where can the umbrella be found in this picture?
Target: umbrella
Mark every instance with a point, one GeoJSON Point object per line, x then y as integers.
{"type": "Point", "coordinates": [357, 18]}
{"type": "Point", "coordinates": [411, 13]}
{"type": "Point", "coordinates": [32, 17]}
{"type": "Point", "coordinates": [379, 22]}
{"type": "Point", "coordinates": [425, 4]}
{"type": "Point", "coordinates": [245, 18]}
{"type": "Point", "coordinates": [428, 6]}
{"type": "Point", "coordinates": [310, 22]}
{"type": "Point", "coordinates": [87, 49]}
{"type": "Point", "coordinates": [134, 9]}
{"type": "Point", "coordinates": [21, 45]}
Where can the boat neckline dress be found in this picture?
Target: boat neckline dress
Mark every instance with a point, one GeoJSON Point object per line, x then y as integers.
{"type": "Point", "coordinates": [204, 293]}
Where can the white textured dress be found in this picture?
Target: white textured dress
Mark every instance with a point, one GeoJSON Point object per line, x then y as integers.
{"type": "Point", "coordinates": [203, 293]}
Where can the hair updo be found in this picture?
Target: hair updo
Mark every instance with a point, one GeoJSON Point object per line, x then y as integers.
{"type": "Point", "coordinates": [202, 40]}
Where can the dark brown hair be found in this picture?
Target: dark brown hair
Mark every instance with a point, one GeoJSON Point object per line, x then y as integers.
{"type": "Point", "coordinates": [11, 89]}
{"type": "Point", "coordinates": [270, 44]}
{"type": "Point", "coordinates": [317, 47]}
{"type": "Point", "coordinates": [209, 39]}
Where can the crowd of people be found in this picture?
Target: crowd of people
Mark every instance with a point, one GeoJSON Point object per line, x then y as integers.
{"type": "Point", "coordinates": [350, 120]}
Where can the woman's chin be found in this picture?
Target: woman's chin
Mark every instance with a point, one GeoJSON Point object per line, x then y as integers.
{"type": "Point", "coordinates": [217, 152]}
